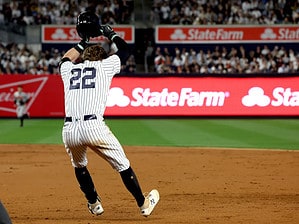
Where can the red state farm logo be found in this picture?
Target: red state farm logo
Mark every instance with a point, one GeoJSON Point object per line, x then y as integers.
{"type": "Point", "coordinates": [32, 87]}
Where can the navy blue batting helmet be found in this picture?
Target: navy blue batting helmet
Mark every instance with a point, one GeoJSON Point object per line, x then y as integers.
{"type": "Point", "coordinates": [88, 25]}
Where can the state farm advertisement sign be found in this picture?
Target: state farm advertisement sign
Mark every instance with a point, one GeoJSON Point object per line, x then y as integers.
{"type": "Point", "coordinates": [226, 34]}
{"type": "Point", "coordinates": [164, 96]}
{"type": "Point", "coordinates": [204, 96]}
{"type": "Point", "coordinates": [68, 34]}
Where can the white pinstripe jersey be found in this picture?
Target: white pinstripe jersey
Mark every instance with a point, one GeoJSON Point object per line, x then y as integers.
{"type": "Point", "coordinates": [87, 84]}
{"type": "Point", "coordinates": [86, 88]}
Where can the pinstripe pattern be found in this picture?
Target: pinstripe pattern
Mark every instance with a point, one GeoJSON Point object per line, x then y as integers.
{"type": "Point", "coordinates": [86, 88]}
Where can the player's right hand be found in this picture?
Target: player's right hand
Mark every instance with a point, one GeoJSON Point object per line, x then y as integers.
{"type": "Point", "coordinates": [80, 47]}
{"type": "Point", "coordinates": [86, 39]}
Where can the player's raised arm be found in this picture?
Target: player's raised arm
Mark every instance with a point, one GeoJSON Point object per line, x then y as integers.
{"type": "Point", "coordinates": [121, 44]}
{"type": "Point", "coordinates": [74, 53]}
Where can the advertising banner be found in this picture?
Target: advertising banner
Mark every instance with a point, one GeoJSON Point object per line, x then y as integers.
{"type": "Point", "coordinates": [227, 34]}
{"type": "Point", "coordinates": [68, 34]}
{"type": "Point", "coordinates": [45, 92]}
{"type": "Point", "coordinates": [165, 96]}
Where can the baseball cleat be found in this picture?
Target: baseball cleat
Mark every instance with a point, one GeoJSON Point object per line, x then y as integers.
{"type": "Point", "coordinates": [96, 208]}
{"type": "Point", "coordinates": [151, 200]}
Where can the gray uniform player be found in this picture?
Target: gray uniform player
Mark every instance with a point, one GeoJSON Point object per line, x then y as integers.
{"type": "Point", "coordinates": [20, 100]}
{"type": "Point", "coordinates": [86, 88]}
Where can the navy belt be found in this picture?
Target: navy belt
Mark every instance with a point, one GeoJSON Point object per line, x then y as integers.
{"type": "Point", "coordinates": [85, 118]}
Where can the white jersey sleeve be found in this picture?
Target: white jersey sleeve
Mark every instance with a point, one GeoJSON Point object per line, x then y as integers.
{"type": "Point", "coordinates": [114, 62]}
{"type": "Point", "coordinates": [65, 68]}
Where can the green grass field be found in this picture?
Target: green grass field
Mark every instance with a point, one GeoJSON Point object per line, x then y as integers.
{"type": "Point", "coordinates": [204, 132]}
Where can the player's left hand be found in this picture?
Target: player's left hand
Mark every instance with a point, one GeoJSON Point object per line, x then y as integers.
{"type": "Point", "coordinates": [108, 32]}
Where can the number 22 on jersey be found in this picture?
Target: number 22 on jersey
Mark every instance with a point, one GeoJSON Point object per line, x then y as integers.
{"type": "Point", "coordinates": [82, 78]}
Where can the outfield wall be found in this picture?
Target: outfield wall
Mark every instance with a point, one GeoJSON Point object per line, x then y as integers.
{"type": "Point", "coordinates": [165, 96]}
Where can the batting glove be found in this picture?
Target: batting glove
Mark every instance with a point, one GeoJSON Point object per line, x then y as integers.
{"type": "Point", "coordinates": [80, 47]}
{"type": "Point", "coordinates": [108, 32]}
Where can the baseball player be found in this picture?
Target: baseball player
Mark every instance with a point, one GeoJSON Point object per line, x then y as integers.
{"type": "Point", "coordinates": [4, 217]}
{"type": "Point", "coordinates": [20, 100]}
{"type": "Point", "coordinates": [86, 88]}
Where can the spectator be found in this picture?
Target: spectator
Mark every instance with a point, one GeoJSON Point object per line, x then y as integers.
{"type": "Point", "coordinates": [148, 57]}
{"type": "Point", "coordinates": [155, 15]}
{"type": "Point", "coordinates": [130, 66]}
{"type": "Point", "coordinates": [165, 13]}
{"type": "Point", "coordinates": [163, 61]}
{"type": "Point", "coordinates": [159, 59]}
{"type": "Point", "coordinates": [200, 58]}
{"type": "Point", "coordinates": [178, 61]}
{"type": "Point", "coordinates": [284, 68]}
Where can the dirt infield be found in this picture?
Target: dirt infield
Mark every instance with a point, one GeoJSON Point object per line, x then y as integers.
{"type": "Point", "coordinates": [38, 186]}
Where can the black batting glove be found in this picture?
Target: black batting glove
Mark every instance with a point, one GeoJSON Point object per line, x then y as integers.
{"type": "Point", "coordinates": [108, 32]}
{"type": "Point", "coordinates": [80, 47]}
{"type": "Point", "coordinates": [100, 32]}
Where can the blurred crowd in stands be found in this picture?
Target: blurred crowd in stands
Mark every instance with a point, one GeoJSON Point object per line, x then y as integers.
{"type": "Point", "coordinates": [221, 60]}
{"type": "Point", "coordinates": [37, 12]}
{"type": "Point", "coordinates": [207, 12]}
{"type": "Point", "coordinates": [17, 58]}
{"type": "Point", "coordinates": [20, 59]}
